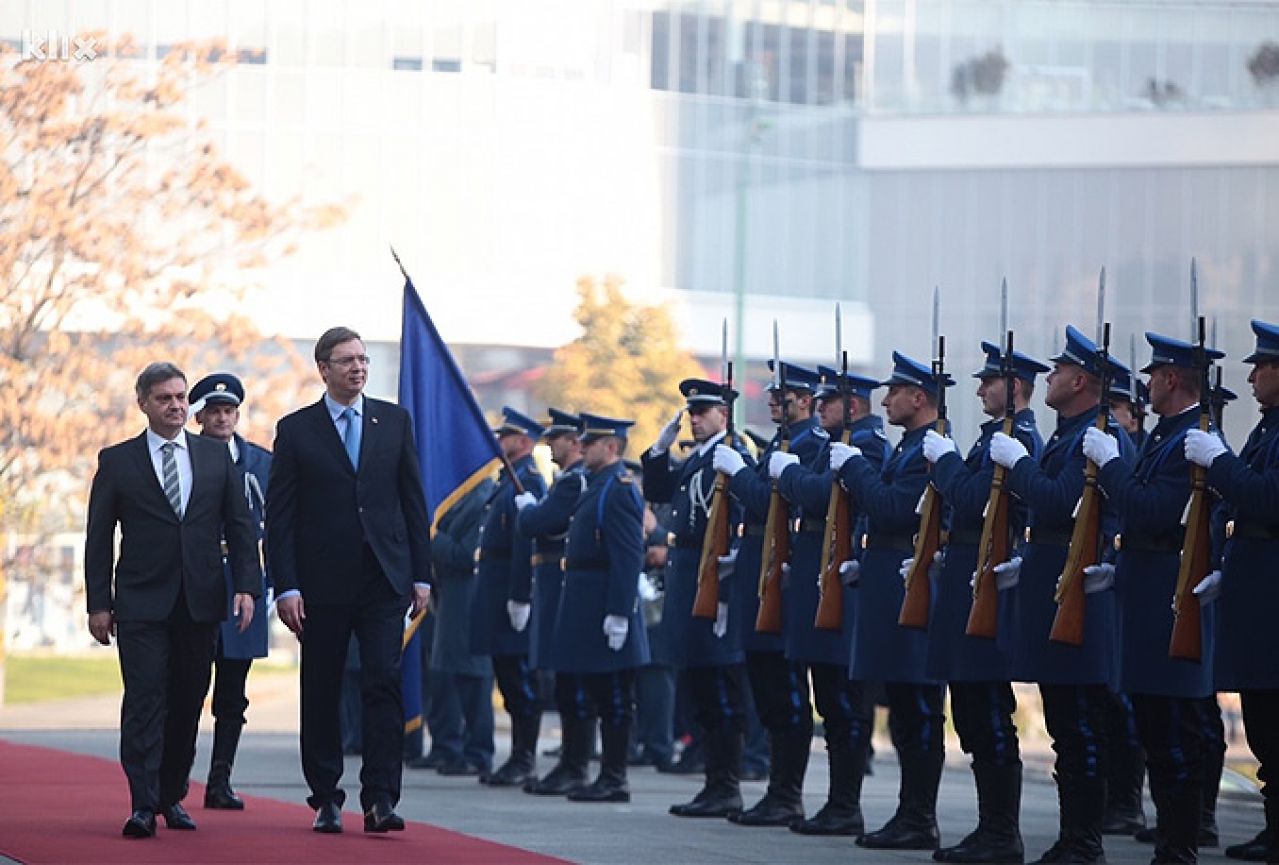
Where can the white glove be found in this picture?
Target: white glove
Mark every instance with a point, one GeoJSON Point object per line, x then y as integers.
{"type": "Point", "coordinates": [841, 453]}
{"type": "Point", "coordinates": [850, 572]}
{"type": "Point", "coordinates": [778, 462]}
{"type": "Point", "coordinates": [518, 612]}
{"type": "Point", "coordinates": [1098, 578]}
{"type": "Point", "coordinates": [937, 446]}
{"type": "Point", "coordinates": [525, 499]}
{"type": "Point", "coordinates": [1100, 447]}
{"type": "Point", "coordinates": [1202, 448]}
{"type": "Point", "coordinates": [1006, 450]}
{"type": "Point", "coordinates": [1209, 588]}
{"type": "Point", "coordinates": [786, 574]}
{"type": "Point", "coordinates": [647, 591]}
{"type": "Point", "coordinates": [1008, 574]}
{"type": "Point", "coordinates": [720, 628]}
{"type": "Point", "coordinates": [667, 436]}
{"type": "Point", "coordinates": [727, 565]}
{"type": "Point", "coordinates": [615, 628]}
{"type": "Point", "coordinates": [727, 460]}
{"type": "Point", "coordinates": [933, 569]}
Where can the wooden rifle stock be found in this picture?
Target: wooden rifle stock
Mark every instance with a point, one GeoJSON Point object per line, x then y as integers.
{"type": "Point", "coordinates": [776, 554]}
{"type": "Point", "coordinates": [715, 545]}
{"type": "Point", "coordinates": [837, 548]}
{"type": "Point", "coordinates": [1196, 549]}
{"type": "Point", "coordinates": [1068, 624]}
{"type": "Point", "coordinates": [918, 599]}
{"type": "Point", "coordinates": [992, 550]}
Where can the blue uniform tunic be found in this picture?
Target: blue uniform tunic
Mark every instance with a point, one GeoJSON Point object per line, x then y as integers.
{"type": "Point", "coordinates": [503, 568]}
{"type": "Point", "coordinates": [604, 556]}
{"type": "Point", "coordinates": [808, 491]}
{"type": "Point", "coordinates": [1051, 489]}
{"type": "Point", "coordinates": [953, 656]}
{"type": "Point", "coordinates": [1247, 639]}
{"type": "Point", "coordinates": [1150, 498]}
{"type": "Point", "coordinates": [252, 463]}
{"type": "Point", "coordinates": [882, 650]}
{"type": "Point", "coordinates": [546, 522]}
{"type": "Point", "coordinates": [687, 486]}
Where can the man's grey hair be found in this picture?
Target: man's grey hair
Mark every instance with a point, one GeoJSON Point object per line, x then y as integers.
{"type": "Point", "coordinates": [155, 373]}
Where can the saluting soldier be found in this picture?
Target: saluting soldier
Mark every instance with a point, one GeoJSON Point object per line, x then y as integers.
{"type": "Point", "coordinates": [547, 522]}
{"type": "Point", "coordinates": [1150, 498]}
{"type": "Point", "coordinates": [1073, 680]}
{"type": "Point", "coordinates": [978, 669]}
{"type": "Point", "coordinates": [503, 592]}
{"type": "Point", "coordinates": [779, 685]}
{"type": "Point", "coordinates": [709, 650]}
{"type": "Point", "coordinates": [599, 631]}
{"type": "Point", "coordinates": [1245, 591]}
{"type": "Point", "coordinates": [847, 716]}
{"type": "Point", "coordinates": [882, 650]}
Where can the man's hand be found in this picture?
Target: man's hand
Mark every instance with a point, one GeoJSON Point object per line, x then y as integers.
{"type": "Point", "coordinates": [518, 612]}
{"type": "Point", "coordinates": [1006, 450]}
{"type": "Point", "coordinates": [1098, 578]}
{"type": "Point", "coordinates": [727, 564]}
{"type": "Point", "coordinates": [668, 435]}
{"type": "Point", "coordinates": [778, 462]}
{"type": "Point", "coordinates": [933, 570]}
{"type": "Point", "coordinates": [727, 460]}
{"type": "Point", "coordinates": [1209, 588]}
{"type": "Point", "coordinates": [524, 499]}
{"type": "Point", "coordinates": [102, 626]}
{"type": "Point", "coordinates": [293, 613]}
{"type": "Point", "coordinates": [242, 607]}
{"type": "Point", "coordinates": [1202, 448]}
{"type": "Point", "coordinates": [616, 628]}
{"type": "Point", "coordinates": [937, 446]}
{"type": "Point", "coordinates": [850, 572]}
{"type": "Point", "coordinates": [720, 628]}
{"type": "Point", "coordinates": [841, 453]}
{"type": "Point", "coordinates": [421, 597]}
{"type": "Point", "coordinates": [1100, 447]}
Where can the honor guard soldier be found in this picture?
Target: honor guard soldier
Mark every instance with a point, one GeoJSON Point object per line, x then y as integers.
{"type": "Point", "coordinates": [1073, 680]}
{"type": "Point", "coordinates": [215, 402]}
{"type": "Point", "coordinates": [779, 686]}
{"type": "Point", "coordinates": [709, 651]}
{"type": "Point", "coordinates": [547, 522]}
{"type": "Point", "coordinates": [1128, 400]}
{"type": "Point", "coordinates": [503, 592]}
{"type": "Point", "coordinates": [599, 632]}
{"type": "Point", "coordinates": [883, 650]}
{"type": "Point", "coordinates": [847, 718]}
{"type": "Point", "coordinates": [979, 669]}
{"type": "Point", "coordinates": [1245, 593]}
{"type": "Point", "coordinates": [1150, 498]}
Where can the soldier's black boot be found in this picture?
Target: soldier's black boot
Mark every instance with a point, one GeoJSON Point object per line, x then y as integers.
{"type": "Point", "coordinates": [1176, 840]}
{"type": "Point", "coordinates": [1214, 762]}
{"type": "Point", "coordinates": [1060, 848]}
{"type": "Point", "coordinates": [914, 826]}
{"type": "Point", "coordinates": [611, 785]}
{"type": "Point", "coordinates": [1089, 806]}
{"type": "Point", "coordinates": [997, 837]}
{"type": "Point", "coordinates": [783, 802]}
{"type": "Point", "coordinates": [575, 753]}
{"type": "Point", "coordinates": [721, 795]}
{"type": "Point", "coordinates": [518, 768]}
{"type": "Point", "coordinates": [218, 793]}
{"type": "Point", "coordinates": [1256, 848]}
{"type": "Point", "coordinates": [842, 813]}
{"type": "Point", "coordinates": [1124, 779]}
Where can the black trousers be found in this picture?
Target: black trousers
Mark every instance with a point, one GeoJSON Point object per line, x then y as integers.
{"type": "Point", "coordinates": [847, 718]}
{"type": "Point", "coordinates": [571, 698]}
{"type": "Point", "coordinates": [780, 689]}
{"type": "Point", "coordinates": [717, 697]}
{"type": "Point", "coordinates": [984, 721]}
{"type": "Point", "coordinates": [377, 621]}
{"type": "Point", "coordinates": [1075, 716]}
{"type": "Point", "coordinates": [915, 717]}
{"type": "Point", "coordinates": [517, 684]}
{"type": "Point", "coordinates": [1172, 734]}
{"type": "Point", "coordinates": [166, 668]}
{"type": "Point", "coordinates": [613, 696]}
{"type": "Point", "coordinates": [230, 698]}
{"type": "Point", "coordinates": [1261, 727]}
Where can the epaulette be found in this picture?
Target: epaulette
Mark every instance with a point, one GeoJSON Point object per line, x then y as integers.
{"type": "Point", "coordinates": [626, 476]}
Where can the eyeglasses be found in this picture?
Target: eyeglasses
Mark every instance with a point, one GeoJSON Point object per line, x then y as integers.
{"type": "Point", "coordinates": [361, 359]}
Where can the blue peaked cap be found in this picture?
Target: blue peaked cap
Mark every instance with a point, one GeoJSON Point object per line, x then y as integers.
{"type": "Point", "coordinates": [860, 385]}
{"type": "Point", "coordinates": [219, 387]}
{"type": "Point", "coordinates": [701, 391]}
{"type": "Point", "coordinates": [909, 371]}
{"type": "Point", "coordinates": [796, 377]}
{"type": "Point", "coordinates": [1123, 384]}
{"type": "Point", "coordinates": [597, 426]}
{"type": "Point", "coordinates": [1267, 342]}
{"type": "Point", "coordinates": [1024, 366]}
{"type": "Point", "coordinates": [561, 422]}
{"type": "Point", "coordinates": [1080, 351]}
{"type": "Point", "coordinates": [1166, 351]}
{"type": "Point", "coordinates": [514, 422]}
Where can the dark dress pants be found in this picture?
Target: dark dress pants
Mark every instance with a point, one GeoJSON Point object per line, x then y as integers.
{"type": "Point", "coordinates": [983, 714]}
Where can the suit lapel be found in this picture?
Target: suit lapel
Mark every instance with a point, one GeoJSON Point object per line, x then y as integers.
{"type": "Point", "coordinates": [145, 471]}
{"type": "Point", "coordinates": [369, 429]}
{"type": "Point", "coordinates": [327, 431]}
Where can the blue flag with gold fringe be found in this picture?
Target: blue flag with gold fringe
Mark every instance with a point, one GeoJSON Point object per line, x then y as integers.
{"type": "Point", "coordinates": [455, 446]}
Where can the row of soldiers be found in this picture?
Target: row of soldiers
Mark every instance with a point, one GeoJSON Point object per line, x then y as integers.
{"type": "Point", "coordinates": [556, 589]}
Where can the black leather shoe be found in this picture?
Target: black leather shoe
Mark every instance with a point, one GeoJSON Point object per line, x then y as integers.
{"type": "Point", "coordinates": [328, 819]}
{"type": "Point", "coordinates": [382, 818]}
{"type": "Point", "coordinates": [141, 824]}
{"type": "Point", "coordinates": [220, 797]}
{"type": "Point", "coordinates": [512, 773]}
{"type": "Point", "coordinates": [768, 812]}
{"type": "Point", "coordinates": [458, 768]}
{"type": "Point", "coordinates": [177, 818]}
{"type": "Point", "coordinates": [902, 834]}
{"type": "Point", "coordinates": [1251, 851]}
{"type": "Point", "coordinates": [831, 821]}
{"type": "Point", "coordinates": [601, 790]}
{"type": "Point", "coordinates": [558, 782]}
{"type": "Point", "coordinates": [713, 805]}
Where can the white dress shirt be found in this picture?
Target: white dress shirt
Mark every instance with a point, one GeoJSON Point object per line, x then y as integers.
{"type": "Point", "coordinates": [181, 455]}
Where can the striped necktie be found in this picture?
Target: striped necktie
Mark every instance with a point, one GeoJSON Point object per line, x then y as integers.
{"type": "Point", "coordinates": [169, 468]}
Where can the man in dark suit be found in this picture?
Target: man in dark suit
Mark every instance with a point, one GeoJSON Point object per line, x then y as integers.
{"type": "Point", "coordinates": [348, 548]}
{"type": "Point", "coordinates": [174, 496]}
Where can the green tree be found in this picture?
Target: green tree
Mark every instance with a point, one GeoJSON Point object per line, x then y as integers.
{"type": "Point", "coordinates": [626, 363]}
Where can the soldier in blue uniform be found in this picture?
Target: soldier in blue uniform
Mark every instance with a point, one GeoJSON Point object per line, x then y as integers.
{"type": "Point", "coordinates": [1128, 400]}
{"type": "Point", "coordinates": [599, 630]}
{"type": "Point", "coordinates": [1150, 498]}
{"type": "Point", "coordinates": [847, 716]}
{"type": "Point", "coordinates": [1072, 680]}
{"type": "Point", "coordinates": [882, 650]}
{"type": "Point", "coordinates": [779, 686]}
{"type": "Point", "coordinates": [1245, 592]}
{"type": "Point", "coordinates": [979, 670]}
{"type": "Point", "coordinates": [547, 522]}
{"type": "Point", "coordinates": [708, 650]}
{"type": "Point", "coordinates": [504, 588]}
{"type": "Point", "coordinates": [215, 402]}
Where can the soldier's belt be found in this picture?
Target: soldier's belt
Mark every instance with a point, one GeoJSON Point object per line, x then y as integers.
{"type": "Point", "coordinates": [550, 557]}
{"type": "Point", "coordinates": [1148, 543]}
{"type": "Point", "coordinates": [886, 541]}
{"type": "Point", "coordinates": [961, 536]}
{"type": "Point", "coordinates": [809, 524]}
{"type": "Point", "coordinates": [492, 555]}
{"type": "Point", "coordinates": [1256, 531]}
{"type": "Point", "coordinates": [585, 564]}
{"type": "Point", "coordinates": [1048, 537]}
{"type": "Point", "coordinates": [674, 540]}
{"type": "Point", "coordinates": [753, 531]}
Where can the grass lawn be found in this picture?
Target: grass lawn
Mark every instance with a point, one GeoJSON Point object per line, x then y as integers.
{"type": "Point", "coordinates": [36, 678]}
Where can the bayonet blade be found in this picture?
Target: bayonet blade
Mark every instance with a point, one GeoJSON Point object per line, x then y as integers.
{"type": "Point", "coordinates": [1132, 359]}
{"type": "Point", "coordinates": [1003, 312]}
{"type": "Point", "coordinates": [777, 363]}
{"type": "Point", "coordinates": [723, 352]}
{"type": "Point", "coordinates": [839, 335]}
{"type": "Point", "coordinates": [1194, 299]}
{"type": "Point", "coordinates": [1101, 304]}
{"type": "Point", "coordinates": [936, 317]}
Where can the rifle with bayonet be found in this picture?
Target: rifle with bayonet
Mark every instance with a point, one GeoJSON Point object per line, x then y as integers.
{"type": "Point", "coordinates": [915, 605]}
{"type": "Point", "coordinates": [777, 524]}
{"type": "Point", "coordinates": [718, 538]}
{"type": "Point", "coordinates": [837, 539]}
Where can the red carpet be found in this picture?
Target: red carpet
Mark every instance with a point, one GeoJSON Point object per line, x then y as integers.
{"type": "Point", "coordinates": [57, 807]}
